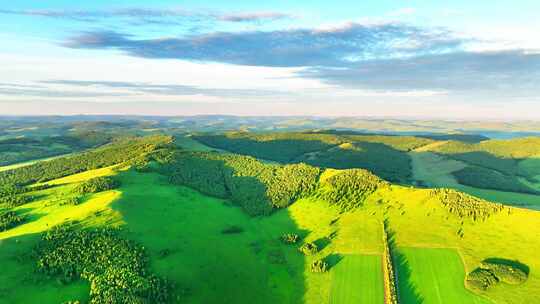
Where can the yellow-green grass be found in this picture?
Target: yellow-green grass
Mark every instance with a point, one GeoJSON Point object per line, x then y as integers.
{"type": "Point", "coordinates": [432, 276]}
{"type": "Point", "coordinates": [436, 171]}
{"type": "Point", "coordinates": [511, 234]}
{"type": "Point", "coordinates": [357, 279]}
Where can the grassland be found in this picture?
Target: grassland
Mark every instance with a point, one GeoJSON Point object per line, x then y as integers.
{"type": "Point", "coordinates": [357, 279]}
{"type": "Point", "coordinates": [433, 275]}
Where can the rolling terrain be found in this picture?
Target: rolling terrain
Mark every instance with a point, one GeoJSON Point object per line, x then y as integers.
{"type": "Point", "coordinates": [304, 217]}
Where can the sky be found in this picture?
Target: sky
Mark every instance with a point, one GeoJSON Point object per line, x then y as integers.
{"type": "Point", "coordinates": [388, 58]}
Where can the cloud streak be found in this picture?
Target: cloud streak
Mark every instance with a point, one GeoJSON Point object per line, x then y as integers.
{"type": "Point", "coordinates": [153, 16]}
{"type": "Point", "coordinates": [167, 89]}
{"type": "Point", "coordinates": [511, 73]}
{"type": "Point", "coordinates": [332, 47]}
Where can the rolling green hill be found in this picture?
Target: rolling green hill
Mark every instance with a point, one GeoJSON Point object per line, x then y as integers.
{"type": "Point", "coordinates": [155, 221]}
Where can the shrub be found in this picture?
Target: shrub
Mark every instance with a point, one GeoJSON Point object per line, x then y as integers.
{"type": "Point", "coordinates": [319, 266]}
{"type": "Point", "coordinates": [493, 271]}
{"type": "Point", "coordinates": [482, 278]}
{"type": "Point", "coordinates": [71, 201]}
{"type": "Point", "coordinates": [97, 184]}
{"type": "Point", "coordinates": [289, 238]}
{"type": "Point", "coordinates": [308, 248]}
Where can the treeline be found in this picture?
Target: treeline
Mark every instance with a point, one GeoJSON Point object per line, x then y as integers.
{"type": "Point", "coordinates": [10, 219]}
{"type": "Point", "coordinates": [117, 269]}
{"type": "Point", "coordinates": [280, 147]}
{"type": "Point", "coordinates": [349, 188]}
{"type": "Point", "coordinates": [255, 186]}
{"type": "Point", "coordinates": [389, 273]}
{"type": "Point", "coordinates": [97, 184]}
{"type": "Point", "coordinates": [14, 195]}
{"type": "Point", "coordinates": [118, 152]}
{"type": "Point", "coordinates": [20, 149]}
{"type": "Point", "coordinates": [489, 179]}
{"type": "Point", "coordinates": [385, 155]}
{"type": "Point", "coordinates": [466, 206]}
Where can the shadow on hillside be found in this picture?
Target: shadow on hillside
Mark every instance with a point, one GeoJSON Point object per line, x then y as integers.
{"type": "Point", "coordinates": [381, 159]}
{"type": "Point", "coordinates": [512, 263]}
{"type": "Point", "coordinates": [29, 216]}
{"type": "Point", "coordinates": [183, 233]}
{"type": "Point", "coordinates": [406, 289]}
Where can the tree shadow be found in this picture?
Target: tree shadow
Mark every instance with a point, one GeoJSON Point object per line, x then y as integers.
{"type": "Point", "coordinates": [322, 243]}
{"type": "Point", "coordinates": [333, 259]}
{"type": "Point", "coordinates": [407, 291]}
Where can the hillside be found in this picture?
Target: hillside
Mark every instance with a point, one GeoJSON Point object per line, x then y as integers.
{"type": "Point", "coordinates": [285, 233]}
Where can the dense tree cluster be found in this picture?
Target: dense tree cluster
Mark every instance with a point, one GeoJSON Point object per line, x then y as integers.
{"type": "Point", "coordinates": [281, 147]}
{"type": "Point", "coordinates": [115, 153]}
{"type": "Point", "coordinates": [98, 184]}
{"type": "Point", "coordinates": [349, 188]}
{"type": "Point", "coordinates": [116, 268]}
{"type": "Point", "coordinates": [12, 200]}
{"type": "Point", "coordinates": [10, 219]}
{"type": "Point", "coordinates": [464, 205]}
{"type": "Point", "coordinates": [490, 179]}
{"type": "Point", "coordinates": [385, 155]}
{"type": "Point", "coordinates": [493, 271]}
{"type": "Point", "coordinates": [255, 186]}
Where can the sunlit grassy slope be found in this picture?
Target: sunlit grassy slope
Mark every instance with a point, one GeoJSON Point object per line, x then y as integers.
{"type": "Point", "coordinates": [185, 235]}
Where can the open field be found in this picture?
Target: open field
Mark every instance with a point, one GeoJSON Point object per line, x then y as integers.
{"type": "Point", "coordinates": [433, 276]}
{"type": "Point", "coordinates": [357, 279]}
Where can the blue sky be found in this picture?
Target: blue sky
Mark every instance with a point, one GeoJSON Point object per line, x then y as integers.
{"type": "Point", "coordinates": [459, 59]}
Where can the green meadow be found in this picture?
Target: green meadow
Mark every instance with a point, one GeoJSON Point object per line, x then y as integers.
{"type": "Point", "coordinates": [433, 275]}
{"type": "Point", "coordinates": [357, 279]}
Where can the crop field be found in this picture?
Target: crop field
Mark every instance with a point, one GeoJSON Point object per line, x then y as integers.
{"type": "Point", "coordinates": [357, 279]}
{"type": "Point", "coordinates": [433, 276]}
